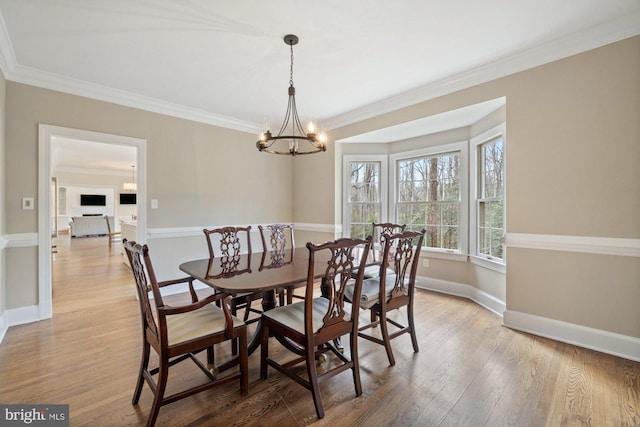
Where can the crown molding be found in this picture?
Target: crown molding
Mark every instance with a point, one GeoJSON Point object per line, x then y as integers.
{"type": "Point", "coordinates": [591, 38]}
{"type": "Point", "coordinates": [573, 44]}
{"type": "Point", "coordinates": [43, 79]}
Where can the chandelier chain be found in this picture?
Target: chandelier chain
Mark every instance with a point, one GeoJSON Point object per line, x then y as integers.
{"type": "Point", "coordinates": [291, 75]}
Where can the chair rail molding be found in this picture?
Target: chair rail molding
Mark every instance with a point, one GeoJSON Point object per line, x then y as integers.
{"type": "Point", "coordinates": [18, 240]}
{"type": "Point", "coordinates": [196, 231]}
{"type": "Point", "coordinates": [584, 244]}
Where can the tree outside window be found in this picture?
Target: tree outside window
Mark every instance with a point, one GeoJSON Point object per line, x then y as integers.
{"type": "Point", "coordinates": [429, 198]}
{"type": "Point", "coordinates": [491, 198]}
{"type": "Point", "coordinates": [364, 197]}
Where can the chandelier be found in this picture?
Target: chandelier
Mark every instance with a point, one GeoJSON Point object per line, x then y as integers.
{"type": "Point", "coordinates": [297, 141]}
{"type": "Point", "coordinates": [131, 186]}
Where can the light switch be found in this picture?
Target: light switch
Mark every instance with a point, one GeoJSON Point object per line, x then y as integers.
{"type": "Point", "coordinates": [154, 203]}
{"type": "Point", "coordinates": [27, 203]}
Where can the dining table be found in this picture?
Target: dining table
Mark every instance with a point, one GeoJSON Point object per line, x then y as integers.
{"type": "Point", "coordinates": [264, 272]}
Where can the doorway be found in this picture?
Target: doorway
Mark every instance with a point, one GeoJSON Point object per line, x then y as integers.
{"type": "Point", "coordinates": [46, 135]}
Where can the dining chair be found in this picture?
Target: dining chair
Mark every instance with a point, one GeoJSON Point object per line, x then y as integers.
{"type": "Point", "coordinates": [231, 243]}
{"type": "Point", "coordinates": [111, 230]}
{"type": "Point", "coordinates": [180, 332]}
{"type": "Point", "coordinates": [380, 229]}
{"type": "Point", "coordinates": [308, 328]}
{"type": "Point", "coordinates": [276, 240]}
{"type": "Point", "coordinates": [391, 291]}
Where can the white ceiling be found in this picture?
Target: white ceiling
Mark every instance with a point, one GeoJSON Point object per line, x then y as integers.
{"type": "Point", "coordinates": [225, 62]}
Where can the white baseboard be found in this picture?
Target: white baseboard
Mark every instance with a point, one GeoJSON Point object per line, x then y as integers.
{"type": "Point", "coordinates": [3, 327]}
{"type": "Point", "coordinates": [22, 315]}
{"type": "Point", "coordinates": [594, 339]}
{"type": "Point", "coordinates": [482, 298]}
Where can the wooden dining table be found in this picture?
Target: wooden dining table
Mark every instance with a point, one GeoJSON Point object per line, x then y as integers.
{"type": "Point", "coordinates": [263, 272]}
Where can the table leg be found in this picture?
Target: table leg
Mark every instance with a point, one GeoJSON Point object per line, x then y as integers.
{"type": "Point", "coordinates": [268, 303]}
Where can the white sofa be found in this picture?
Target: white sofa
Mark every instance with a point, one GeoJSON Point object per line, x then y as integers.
{"type": "Point", "coordinates": [89, 226]}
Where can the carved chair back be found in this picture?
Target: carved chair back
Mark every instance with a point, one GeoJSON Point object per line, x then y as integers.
{"type": "Point", "coordinates": [379, 230]}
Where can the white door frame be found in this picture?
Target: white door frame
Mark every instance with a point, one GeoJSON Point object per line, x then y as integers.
{"type": "Point", "coordinates": [45, 135]}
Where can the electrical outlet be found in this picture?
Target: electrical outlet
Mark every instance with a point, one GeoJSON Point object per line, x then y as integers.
{"type": "Point", "coordinates": [425, 262]}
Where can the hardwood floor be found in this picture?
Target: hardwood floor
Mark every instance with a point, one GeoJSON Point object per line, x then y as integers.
{"type": "Point", "coordinates": [470, 370]}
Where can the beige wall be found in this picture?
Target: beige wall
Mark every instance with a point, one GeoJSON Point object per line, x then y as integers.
{"type": "Point", "coordinates": [573, 146]}
{"type": "Point", "coordinates": [3, 85]}
{"type": "Point", "coordinates": [200, 174]}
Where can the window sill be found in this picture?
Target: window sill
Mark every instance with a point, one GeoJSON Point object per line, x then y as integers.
{"type": "Point", "coordinates": [499, 267]}
{"type": "Point", "coordinates": [442, 254]}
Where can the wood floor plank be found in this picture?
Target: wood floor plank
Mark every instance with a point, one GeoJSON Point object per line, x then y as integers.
{"type": "Point", "coordinates": [470, 370]}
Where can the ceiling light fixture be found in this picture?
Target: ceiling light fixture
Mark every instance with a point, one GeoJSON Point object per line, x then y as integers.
{"type": "Point", "coordinates": [131, 186]}
{"type": "Point", "coordinates": [316, 142]}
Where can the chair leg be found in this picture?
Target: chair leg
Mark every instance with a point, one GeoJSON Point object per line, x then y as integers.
{"type": "Point", "coordinates": [234, 341]}
{"type": "Point", "coordinates": [211, 356]}
{"type": "Point", "coordinates": [264, 352]}
{"type": "Point", "coordinates": [144, 364]}
{"type": "Point", "coordinates": [247, 309]}
{"type": "Point", "coordinates": [385, 338]}
{"type": "Point", "coordinates": [244, 365]}
{"type": "Point", "coordinates": [163, 373]}
{"type": "Point", "coordinates": [313, 380]}
{"type": "Point", "coordinates": [412, 328]}
{"type": "Point", "coordinates": [356, 364]}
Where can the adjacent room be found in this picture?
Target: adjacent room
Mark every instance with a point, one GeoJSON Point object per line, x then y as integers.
{"type": "Point", "coordinates": [351, 213]}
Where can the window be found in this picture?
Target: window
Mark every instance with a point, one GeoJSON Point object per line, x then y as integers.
{"type": "Point", "coordinates": [489, 155]}
{"type": "Point", "coordinates": [364, 195]}
{"type": "Point", "coordinates": [429, 197]}
{"type": "Point", "coordinates": [430, 191]}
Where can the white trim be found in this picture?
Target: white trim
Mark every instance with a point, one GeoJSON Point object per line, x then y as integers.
{"type": "Point", "coordinates": [584, 244]}
{"type": "Point", "coordinates": [47, 80]}
{"type": "Point", "coordinates": [335, 229]}
{"type": "Point", "coordinates": [443, 254]}
{"type": "Point", "coordinates": [383, 159]}
{"type": "Point", "coordinates": [20, 240]}
{"type": "Point", "coordinates": [46, 134]}
{"type": "Point", "coordinates": [594, 37]}
{"type": "Point", "coordinates": [571, 333]}
{"type": "Point", "coordinates": [196, 231]}
{"type": "Point", "coordinates": [3, 326]}
{"type": "Point", "coordinates": [481, 298]}
{"type": "Point", "coordinates": [22, 315]}
{"type": "Point", "coordinates": [488, 264]}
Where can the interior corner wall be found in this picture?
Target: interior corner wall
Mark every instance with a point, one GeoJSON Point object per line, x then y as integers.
{"type": "Point", "coordinates": [571, 164]}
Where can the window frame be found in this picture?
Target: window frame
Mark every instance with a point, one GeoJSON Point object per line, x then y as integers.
{"type": "Point", "coordinates": [383, 160]}
{"type": "Point", "coordinates": [499, 131]}
{"type": "Point", "coordinates": [463, 227]}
